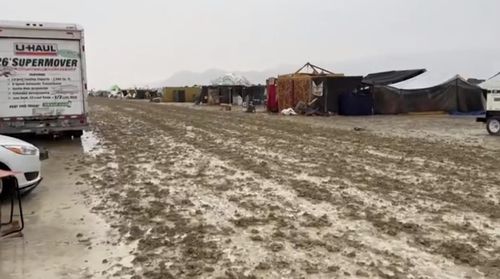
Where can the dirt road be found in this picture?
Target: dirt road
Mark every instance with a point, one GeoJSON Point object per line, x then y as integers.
{"type": "Point", "coordinates": [211, 194]}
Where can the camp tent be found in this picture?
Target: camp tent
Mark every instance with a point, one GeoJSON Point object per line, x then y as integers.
{"type": "Point", "coordinates": [141, 94]}
{"type": "Point", "coordinates": [254, 94]}
{"type": "Point", "coordinates": [318, 86]}
{"type": "Point", "coordinates": [492, 85]}
{"type": "Point", "coordinates": [454, 95]}
{"type": "Point", "coordinates": [220, 94]}
{"type": "Point", "coordinates": [116, 92]}
{"type": "Point", "coordinates": [115, 88]}
{"type": "Point", "coordinates": [231, 80]}
{"type": "Point", "coordinates": [335, 90]}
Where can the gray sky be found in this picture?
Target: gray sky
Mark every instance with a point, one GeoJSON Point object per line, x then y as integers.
{"type": "Point", "coordinates": [136, 42]}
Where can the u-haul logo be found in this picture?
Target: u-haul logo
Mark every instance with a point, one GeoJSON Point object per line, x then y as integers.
{"type": "Point", "coordinates": [38, 49]}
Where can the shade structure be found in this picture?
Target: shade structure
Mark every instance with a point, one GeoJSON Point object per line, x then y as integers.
{"type": "Point", "coordinates": [454, 95]}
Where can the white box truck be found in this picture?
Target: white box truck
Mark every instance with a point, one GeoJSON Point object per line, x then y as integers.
{"type": "Point", "coordinates": [43, 83]}
{"type": "Point", "coordinates": [492, 118]}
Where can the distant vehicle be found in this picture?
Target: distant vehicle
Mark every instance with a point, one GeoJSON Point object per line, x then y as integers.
{"type": "Point", "coordinates": [492, 118]}
{"type": "Point", "coordinates": [22, 157]}
{"type": "Point", "coordinates": [43, 83]}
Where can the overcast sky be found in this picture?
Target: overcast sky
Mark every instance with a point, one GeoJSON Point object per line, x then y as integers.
{"type": "Point", "coordinates": [134, 42]}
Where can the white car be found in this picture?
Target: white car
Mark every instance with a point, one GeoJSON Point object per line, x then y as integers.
{"type": "Point", "coordinates": [22, 158]}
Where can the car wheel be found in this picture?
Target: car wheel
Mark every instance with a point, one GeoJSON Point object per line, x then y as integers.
{"type": "Point", "coordinates": [493, 126]}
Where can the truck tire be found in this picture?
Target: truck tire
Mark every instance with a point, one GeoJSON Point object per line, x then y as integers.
{"type": "Point", "coordinates": [493, 126]}
{"type": "Point", "coordinates": [76, 134]}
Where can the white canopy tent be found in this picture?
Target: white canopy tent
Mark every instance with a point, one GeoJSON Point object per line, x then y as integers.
{"type": "Point", "coordinates": [231, 80]}
{"type": "Point", "coordinates": [492, 85]}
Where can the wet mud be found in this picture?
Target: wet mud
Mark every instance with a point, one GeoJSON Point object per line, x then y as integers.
{"type": "Point", "coordinates": [212, 194]}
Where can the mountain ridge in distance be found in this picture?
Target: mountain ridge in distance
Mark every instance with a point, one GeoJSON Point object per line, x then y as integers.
{"type": "Point", "coordinates": [440, 65]}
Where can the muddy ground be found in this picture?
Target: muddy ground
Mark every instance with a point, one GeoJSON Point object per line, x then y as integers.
{"type": "Point", "coordinates": [62, 237]}
{"type": "Point", "coordinates": [203, 193]}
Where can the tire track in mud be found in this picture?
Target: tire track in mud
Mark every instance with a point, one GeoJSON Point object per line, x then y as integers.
{"type": "Point", "coordinates": [361, 159]}
{"type": "Point", "coordinates": [184, 235]}
{"type": "Point", "coordinates": [231, 152]}
{"type": "Point", "coordinates": [399, 224]}
{"type": "Point", "coordinates": [280, 126]}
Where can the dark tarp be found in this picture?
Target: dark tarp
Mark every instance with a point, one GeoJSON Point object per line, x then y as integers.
{"type": "Point", "coordinates": [333, 87]}
{"type": "Point", "coordinates": [180, 96]}
{"type": "Point", "coordinates": [255, 94]}
{"type": "Point", "coordinates": [455, 95]}
{"type": "Point", "coordinates": [223, 94]}
{"type": "Point", "coordinates": [386, 100]}
{"type": "Point", "coordinates": [475, 81]}
{"type": "Point", "coordinates": [356, 104]}
{"type": "Point", "coordinates": [391, 77]}
{"type": "Point", "coordinates": [203, 97]}
{"type": "Point", "coordinates": [145, 94]}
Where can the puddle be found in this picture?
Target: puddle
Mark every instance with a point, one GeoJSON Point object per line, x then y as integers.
{"type": "Point", "coordinates": [491, 142]}
{"type": "Point", "coordinates": [90, 143]}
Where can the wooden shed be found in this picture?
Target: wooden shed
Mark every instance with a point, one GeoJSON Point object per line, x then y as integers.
{"type": "Point", "coordinates": [181, 94]}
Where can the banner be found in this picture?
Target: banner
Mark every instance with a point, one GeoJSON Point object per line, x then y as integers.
{"type": "Point", "coordinates": [40, 78]}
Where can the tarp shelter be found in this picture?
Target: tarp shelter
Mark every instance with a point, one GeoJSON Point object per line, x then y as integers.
{"type": "Point", "coordinates": [353, 104]}
{"type": "Point", "coordinates": [219, 94]}
{"type": "Point", "coordinates": [322, 87]}
{"type": "Point", "coordinates": [326, 90]}
{"type": "Point", "coordinates": [492, 85]}
{"type": "Point", "coordinates": [227, 89]}
{"type": "Point", "coordinates": [333, 87]}
{"type": "Point", "coordinates": [454, 95]}
{"type": "Point", "coordinates": [254, 94]}
{"type": "Point", "coordinates": [115, 88]}
{"type": "Point", "coordinates": [142, 93]}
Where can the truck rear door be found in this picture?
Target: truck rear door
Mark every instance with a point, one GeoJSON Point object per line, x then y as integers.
{"type": "Point", "coordinates": [40, 77]}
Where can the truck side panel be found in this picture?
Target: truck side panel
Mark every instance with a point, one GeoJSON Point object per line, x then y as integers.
{"type": "Point", "coordinates": [40, 78]}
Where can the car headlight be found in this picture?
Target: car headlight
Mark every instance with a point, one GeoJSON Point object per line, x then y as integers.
{"type": "Point", "coordinates": [22, 149]}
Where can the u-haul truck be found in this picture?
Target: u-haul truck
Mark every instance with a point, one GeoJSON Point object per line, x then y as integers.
{"type": "Point", "coordinates": [43, 84]}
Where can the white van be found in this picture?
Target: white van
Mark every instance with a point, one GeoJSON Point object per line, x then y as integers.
{"type": "Point", "coordinates": [43, 83]}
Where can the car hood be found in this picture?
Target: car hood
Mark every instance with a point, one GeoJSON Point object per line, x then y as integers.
{"type": "Point", "coordinates": [5, 140]}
